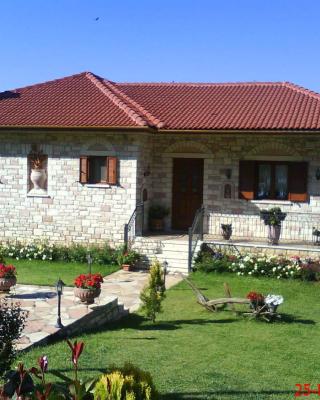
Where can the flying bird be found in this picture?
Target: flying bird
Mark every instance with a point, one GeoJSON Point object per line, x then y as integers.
{"type": "Point", "coordinates": [97, 19]}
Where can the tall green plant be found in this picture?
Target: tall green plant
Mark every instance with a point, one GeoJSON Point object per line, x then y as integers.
{"type": "Point", "coordinates": [12, 322]}
{"type": "Point", "coordinates": [154, 292]}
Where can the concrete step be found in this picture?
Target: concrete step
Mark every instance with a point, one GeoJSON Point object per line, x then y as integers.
{"type": "Point", "coordinates": [174, 251]}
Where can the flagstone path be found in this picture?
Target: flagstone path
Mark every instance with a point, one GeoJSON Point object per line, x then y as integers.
{"type": "Point", "coordinates": [119, 295]}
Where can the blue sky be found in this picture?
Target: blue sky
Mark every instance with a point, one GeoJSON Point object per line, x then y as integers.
{"type": "Point", "coordinates": [160, 40]}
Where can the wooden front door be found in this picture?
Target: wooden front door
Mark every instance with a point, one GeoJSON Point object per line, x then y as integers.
{"type": "Point", "coordinates": [187, 191]}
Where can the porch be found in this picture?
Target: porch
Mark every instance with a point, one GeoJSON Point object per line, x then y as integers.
{"type": "Point", "coordinates": [178, 250]}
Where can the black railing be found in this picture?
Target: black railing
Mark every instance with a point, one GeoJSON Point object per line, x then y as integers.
{"type": "Point", "coordinates": [195, 234]}
{"type": "Point", "coordinates": [134, 227]}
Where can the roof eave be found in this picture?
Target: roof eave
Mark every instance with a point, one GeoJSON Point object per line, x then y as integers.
{"type": "Point", "coordinates": [100, 128]}
{"type": "Point", "coordinates": [242, 131]}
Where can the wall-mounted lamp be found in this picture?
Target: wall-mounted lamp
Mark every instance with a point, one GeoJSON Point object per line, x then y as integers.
{"type": "Point", "coordinates": [318, 174]}
{"type": "Point", "coordinates": [147, 171]}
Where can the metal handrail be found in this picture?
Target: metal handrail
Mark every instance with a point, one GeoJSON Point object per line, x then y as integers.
{"type": "Point", "coordinates": [134, 227]}
{"type": "Point", "coordinates": [195, 233]}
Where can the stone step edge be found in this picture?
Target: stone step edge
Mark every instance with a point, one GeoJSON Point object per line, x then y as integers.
{"type": "Point", "coordinates": [112, 311]}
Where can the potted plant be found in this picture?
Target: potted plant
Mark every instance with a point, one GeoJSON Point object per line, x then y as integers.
{"type": "Point", "coordinates": [38, 174]}
{"type": "Point", "coordinates": [157, 213]}
{"type": "Point", "coordinates": [273, 301]}
{"type": "Point", "coordinates": [88, 287]}
{"type": "Point", "coordinates": [273, 218]}
{"type": "Point", "coordinates": [226, 231]}
{"type": "Point", "coordinates": [128, 259]}
{"type": "Point", "coordinates": [256, 300]}
{"type": "Point", "coordinates": [7, 277]}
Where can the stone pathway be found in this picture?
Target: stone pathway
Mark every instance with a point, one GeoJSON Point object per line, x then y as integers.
{"type": "Point", "coordinates": [119, 295]}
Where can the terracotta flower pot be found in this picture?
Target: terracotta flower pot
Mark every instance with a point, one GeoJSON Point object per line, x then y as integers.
{"type": "Point", "coordinates": [126, 267]}
{"type": "Point", "coordinates": [156, 224]}
{"type": "Point", "coordinates": [87, 296]}
{"type": "Point", "coordinates": [7, 283]}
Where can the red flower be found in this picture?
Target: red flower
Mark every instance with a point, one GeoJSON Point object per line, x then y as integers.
{"type": "Point", "coordinates": [76, 349]}
{"type": "Point", "coordinates": [43, 363]}
{"type": "Point", "coordinates": [89, 281]}
{"type": "Point", "coordinates": [8, 271]}
{"type": "Point", "coordinates": [255, 297]}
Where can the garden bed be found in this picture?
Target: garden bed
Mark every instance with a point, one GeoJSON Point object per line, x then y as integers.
{"type": "Point", "coordinates": [280, 267]}
{"type": "Point", "coordinates": [195, 354]}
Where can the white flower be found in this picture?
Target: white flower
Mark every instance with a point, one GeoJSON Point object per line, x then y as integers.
{"type": "Point", "coordinates": [273, 299]}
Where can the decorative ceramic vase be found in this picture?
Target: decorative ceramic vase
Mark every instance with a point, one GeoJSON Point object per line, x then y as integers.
{"type": "Point", "coordinates": [38, 177]}
{"type": "Point", "coordinates": [274, 234]}
{"type": "Point", "coordinates": [87, 296]}
{"type": "Point", "coordinates": [7, 283]}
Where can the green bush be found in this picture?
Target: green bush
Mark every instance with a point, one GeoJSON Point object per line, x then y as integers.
{"type": "Point", "coordinates": [12, 322]}
{"type": "Point", "coordinates": [127, 383]}
{"type": "Point", "coordinates": [216, 263]}
{"type": "Point", "coordinates": [42, 250]}
{"type": "Point", "coordinates": [154, 292]}
{"type": "Point", "coordinates": [209, 260]}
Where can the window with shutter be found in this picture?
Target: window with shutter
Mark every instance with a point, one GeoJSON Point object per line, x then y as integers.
{"type": "Point", "coordinates": [246, 179]}
{"type": "Point", "coordinates": [84, 169]}
{"type": "Point", "coordinates": [298, 182]}
{"type": "Point", "coordinates": [98, 169]}
{"type": "Point", "coordinates": [273, 180]}
{"type": "Point", "coordinates": [112, 163]}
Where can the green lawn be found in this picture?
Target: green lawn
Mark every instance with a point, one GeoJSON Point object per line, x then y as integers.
{"type": "Point", "coordinates": [195, 354]}
{"type": "Point", "coordinates": [39, 272]}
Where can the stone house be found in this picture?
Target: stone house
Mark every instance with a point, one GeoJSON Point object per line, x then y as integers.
{"type": "Point", "coordinates": [106, 147]}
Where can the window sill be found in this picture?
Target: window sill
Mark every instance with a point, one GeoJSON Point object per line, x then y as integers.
{"type": "Point", "coordinates": [284, 202]}
{"type": "Point", "coordinates": [98, 185]}
{"type": "Point", "coordinates": [35, 193]}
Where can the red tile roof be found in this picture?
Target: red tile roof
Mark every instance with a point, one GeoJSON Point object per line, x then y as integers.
{"type": "Point", "coordinates": [86, 100]}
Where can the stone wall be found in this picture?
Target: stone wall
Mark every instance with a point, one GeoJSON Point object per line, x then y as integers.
{"type": "Point", "coordinates": [70, 211]}
{"type": "Point", "coordinates": [222, 152]}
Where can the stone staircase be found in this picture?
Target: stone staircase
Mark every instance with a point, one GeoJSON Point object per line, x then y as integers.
{"type": "Point", "coordinates": [172, 249]}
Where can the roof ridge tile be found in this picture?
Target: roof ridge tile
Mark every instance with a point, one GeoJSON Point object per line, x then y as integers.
{"type": "Point", "coordinates": [301, 89]}
{"type": "Point", "coordinates": [151, 119]}
{"type": "Point", "coordinates": [116, 100]}
{"type": "Point", "coordinates": [199, 84]}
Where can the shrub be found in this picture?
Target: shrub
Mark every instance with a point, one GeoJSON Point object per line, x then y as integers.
{"type": "Point", "coordinates": [128, 257]}
{"type": "Point", "coordinates": [12, 322]}
{"type": "Point", "coordinates": [154, 292]}
{"type": "Point", "coordinates": [158, 211]}
{"type": "Point", "coordinates": [42, 250]}
{"type": "Point", "coordinates": [127, 383]}
{"type": "Point", "coordinates": [296, 267]}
